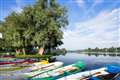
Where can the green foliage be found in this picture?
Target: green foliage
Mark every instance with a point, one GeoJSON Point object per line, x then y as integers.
{"type": "Point", "coordinates": [111, 49]}
{"type": "Point", "coordinates": [39, 25]}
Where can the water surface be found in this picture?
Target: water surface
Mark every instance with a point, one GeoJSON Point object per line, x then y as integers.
{"type": "Point", "coordinates": [92, 61]}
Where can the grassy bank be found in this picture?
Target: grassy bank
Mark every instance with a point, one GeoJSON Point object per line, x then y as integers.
{"type": "Point", "coordinates": [33, 56]}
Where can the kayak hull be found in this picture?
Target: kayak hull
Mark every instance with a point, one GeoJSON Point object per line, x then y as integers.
{"type": "Point", "coordinates": [85, 74]}
{"type": "Point", "coordinates": [17, 62]}
{"type": "Point", "coordinates": [61, 72]}
{"type": "Point", "coordinates": [43, 68]}
{"type": "Point", "coordinates": [93, 73]}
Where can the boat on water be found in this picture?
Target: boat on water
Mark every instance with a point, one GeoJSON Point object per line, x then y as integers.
{"type": "Point", "coordinates": [61, 72]}
{"type": "Point", "coordinates": [41, 62]}
{"type": "Point", "coordinates": [109, 71]}
{"type": "Point", "coordinates": [28, 66]}
{"type": "Point", "coordinates": [107, 77]}
{"type": "Point", "coordinates": [19, 61]}
{"type": "Point", "coordinates": [43, 68]}
{"type": "Point", "coordinates": [113, 74]}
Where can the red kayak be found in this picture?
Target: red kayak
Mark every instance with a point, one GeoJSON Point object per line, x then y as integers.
{"type": "Point", "coordinates": [17, 62]}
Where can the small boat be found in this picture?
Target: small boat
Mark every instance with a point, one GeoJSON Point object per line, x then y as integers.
{"type": "Point", "coordinates": [113, 74]}
{"type": "Point", "coordinates": [43, 68]}
{"type": "Point", "coordinates": [41, 62]}
{"type": "Point", "coordinates": [93, 73]}
{"type": "Point", "coordinates": [60, 72]}
{"type": "Point", "coordinates": [107, 77]}
{"type": "Point", "coordinates": [16, 62]}
{"type": "Point", "coordinates": [37, 65]}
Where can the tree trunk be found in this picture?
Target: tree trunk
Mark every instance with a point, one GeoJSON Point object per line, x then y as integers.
{"type": "Point", "coordinates": [23, 50]}
{"type": "Point", "coordinates": [41, 51]}
{"type": "Point", "coordinates": [17, 51]}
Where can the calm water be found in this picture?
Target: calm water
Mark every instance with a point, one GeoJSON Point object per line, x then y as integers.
{"type": "Point", "coordinates": [92, 62]}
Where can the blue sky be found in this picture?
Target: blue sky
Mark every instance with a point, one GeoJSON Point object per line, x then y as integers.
{"type": "Point", "coordinates": [92, 23]}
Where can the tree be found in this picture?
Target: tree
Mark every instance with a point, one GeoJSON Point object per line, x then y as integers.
{"type": "Point", "coordinates": [40, 25]}
{"type": "Point", "coordinates": [49, 18]}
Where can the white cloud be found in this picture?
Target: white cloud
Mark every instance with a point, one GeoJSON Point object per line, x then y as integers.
{"type": "Point", "coordinates": [18, 7]}
{"type": "Point", "coordinates": [101, 31]}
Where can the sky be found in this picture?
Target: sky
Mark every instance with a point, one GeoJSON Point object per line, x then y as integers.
{"type": "Point", "coordinates": [92, 23]}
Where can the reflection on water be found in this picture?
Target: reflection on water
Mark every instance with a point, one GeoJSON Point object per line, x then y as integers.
{"type": "Point", "coordinates": [93, 60]}
{"type": "Point", "coordinates": [101, 53]}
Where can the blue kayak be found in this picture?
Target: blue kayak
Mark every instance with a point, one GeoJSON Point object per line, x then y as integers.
{"type": "Point", "coordinates": [114, 74]}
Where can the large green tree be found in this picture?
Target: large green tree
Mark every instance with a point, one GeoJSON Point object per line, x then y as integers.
{"type": "Point", "coordinates": [39, 25]}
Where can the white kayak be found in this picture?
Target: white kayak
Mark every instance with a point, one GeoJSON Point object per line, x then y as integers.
{"type": "Point", "coordinates": [60, 72]}
{"type": "Point", "coordinates": [37, 65]}
{"type": "Point", "coordinates": [85, 75]}
{"type": "Point", "coordinates": [43, 68]}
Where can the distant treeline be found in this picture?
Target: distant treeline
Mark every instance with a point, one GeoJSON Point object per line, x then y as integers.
{"type": "Point", "coordinates": [111, 49]}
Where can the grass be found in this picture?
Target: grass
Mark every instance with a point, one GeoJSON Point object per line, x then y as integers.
{"type": "Point", "coordinates": [32, 56]}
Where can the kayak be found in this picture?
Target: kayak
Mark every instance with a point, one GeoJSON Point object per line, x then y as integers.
{"type": "Point", "coordinates": [41, 62]}
{"type": "Point", "coordinates": [43, 68]}
{"type": "Point", "coordinates": [7, 59]}
{"type": "Point", "coordinates": [32, 66]}
{"type": "Point", "coordinates": [84, 75]}
{"type": "Point", "coordinates": [61, 72]}
{"type": "Point", "coordinates": [16, 62]}
{"type": "Point", "coordinates": [93, 73]}
{"type": "Point", "coordinates": [37, 65]}
{"type": "Point", "coordinates": [107, 77]}
{"type": "Point", "coordinates": [113, 74]}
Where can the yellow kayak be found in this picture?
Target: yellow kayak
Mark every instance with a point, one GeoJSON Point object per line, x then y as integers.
{"type": "Point", "coordinates": [41, 62]}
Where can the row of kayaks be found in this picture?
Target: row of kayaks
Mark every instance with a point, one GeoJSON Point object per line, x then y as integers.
{"type": "Point", "coordinates": [56, 71]}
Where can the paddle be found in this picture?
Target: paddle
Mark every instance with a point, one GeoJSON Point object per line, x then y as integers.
{"type": "Point", "coordinates": [116, 76]}
{"type": "Point", "coordinates": [87, 77]}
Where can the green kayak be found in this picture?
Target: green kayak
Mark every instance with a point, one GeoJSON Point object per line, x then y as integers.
{"type": "Point", "coordinates": [61, 72]}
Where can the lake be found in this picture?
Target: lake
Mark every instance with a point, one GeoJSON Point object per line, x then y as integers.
{"type": "Point", "coordinates": [92, 61]}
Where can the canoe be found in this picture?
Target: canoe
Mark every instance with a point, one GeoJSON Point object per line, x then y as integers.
{"type": "Point", "coordinates": [113, 74]}
{"type": "Point", "coordinates": [37, 65]}
{"type": "Point", "coordinates": [61, 72]}
{"type": "Point", "coordinates": [93, 73]}
{"type": "Point", "coordinates": [84, 75]}
{"type": "Point", "coordinates": [43, 68]}
{"type": "Point", "coordinates": [7, 59]}
{"type": "Point", "coordinates": [16, 62]}
{"type": "Point", "coordinates": [33, 65]}
{"type": "Point", "coordinates": [107, 77]}
{"type": "Point", "coordinates": [41, 62]}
